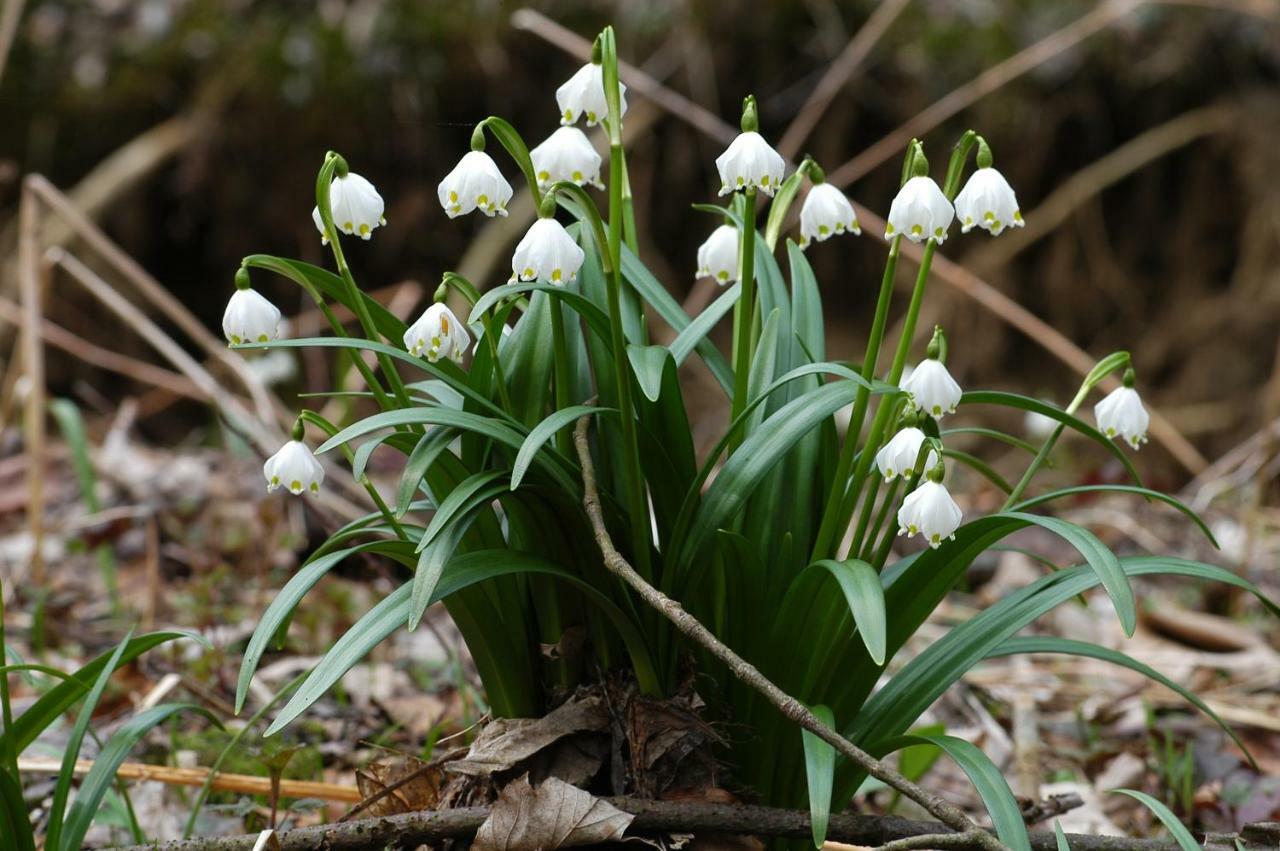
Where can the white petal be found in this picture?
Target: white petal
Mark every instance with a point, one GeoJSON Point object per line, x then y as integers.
{"type": "Point", "coordinates": [826, 212]}
{"type": "Point", "coordinates": [929, 511]}
{"type": "Point", "coordinates": [356, 206]}
{"type": "Point", "coordinates": [932, 389]}
{"type": "Point", "coordinates": [437, 334]}
{"type": "Point", "coordinates": [567, 154]}
{"type": "Point", "coordinates": [546, 253]}
{"type": "Point", "coordinates": [583, 95]}
{"type": "Point", "coordinates": [1121, 414]}
{"type": "Point", "coordinates": [293, 468]}
{"type": "Point", "coordinates": [718, 257]}
{"type": "Point", "coordinates": [920, 212]}
{"type": "Point", "coordinates": [474, 184]}
{"type": "Point", "coordinates": [250, 318]}
{"type": "Point", "coordinates": [748, 162]}
{"type": "Point", "coordinates": [987, 201]}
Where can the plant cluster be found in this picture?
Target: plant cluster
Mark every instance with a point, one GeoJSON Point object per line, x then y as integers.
{"type": "Point", "coordinates": [780, 540]}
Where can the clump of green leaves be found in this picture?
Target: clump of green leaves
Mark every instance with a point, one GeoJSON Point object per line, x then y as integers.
{"type": "Point", "coordinates": [779, 539]}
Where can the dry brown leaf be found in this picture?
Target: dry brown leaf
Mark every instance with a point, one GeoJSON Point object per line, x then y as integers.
{"type": "Point", "coordinates": [550, 815]}
{"type": "Point", "coordinates": [506, 742]}
{"type": "Point", "coordinates": [421, 789]}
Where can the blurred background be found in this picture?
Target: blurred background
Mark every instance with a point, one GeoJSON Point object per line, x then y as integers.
{"type": "Point", "coordinates": [1140, 137]}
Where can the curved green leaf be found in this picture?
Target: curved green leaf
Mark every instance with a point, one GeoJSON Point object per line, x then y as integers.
{"type": "Point", "coordinates": [388, 324]}
{"type": "Point", "coordinates": [697, 330]}
{"type": "Point", "coordinates": [543, 432]}
{"type": "Point", "coordinates": [1052, 644]}
{"type": "Point", "coordinates": [865, 596]}
{"type": "Point", "coordinates": [992, 433]}
{"type": "Point", "coordinates": [15, 822]}
{"type": "Point", "coordinates": [1181, 835]}
{"type": "Point", "coordinates": [429, 447]}
{"type": "Point", "coordinates": [987, 779]}
{"type": "Point", "coordinates": [819, 770]}
{"type": "Point", "coordinates": [1140, 491]}
{"type": "Point", "coordinates": [103, 773]}
{"type": "Point", "coordinates": [648, 363]}
{"type": "Point", "coordinates": [1026, 403]}
{"type": "Point", "coordinates": [596, 318]}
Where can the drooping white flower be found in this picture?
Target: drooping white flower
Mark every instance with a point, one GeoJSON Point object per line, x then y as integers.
{"type": "Point", "coordinates": [546, 253]}
{"type": "Point", "coordinates": [1038, 425]}
{"type": "Point", "coordinates": [920, 212]}
{"type": "Point", "coordinates": [474, 184]}
{"type": "Point", "coordinates": [748, 162]}
{"type": "Point", "coordinates": [718, 257]}
{"type": "Point", "coordinates": [826, 212]}
{"type": "Point", "coordinates": [583, 94]}
{"type": "Point", "coordinates": [250, 318]}
{"type": "Point", "coordinates": [293, 468]}
{"type": "Point", "coordinates": [437, 334]}
{"type": "Point", "coordinates": [987, 201]}
{"type": "Point", "coordinates": [929, 511]}
{"type": "Point", "coordinates": [898, 456]}
{"type": "Point", "coordinates": [567, 154]}
{"type": "Point", "coordinates": [357, 207]}
{"type": "Point", "coordinates": [1121, 414]}
{"type": "Point", "coordinates": [932, 389]}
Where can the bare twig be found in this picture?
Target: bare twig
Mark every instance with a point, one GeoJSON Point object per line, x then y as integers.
{"type": "Point", "coordinates": [838, 75]}
{"type": "Point", "coordinates": [657, 817]}
{"type": "Point", "coordinates": [935, 840]}
{"type": "Point", "coordinates": [790, 708]}
{"type": "Point", "coordinates": [29, 279]}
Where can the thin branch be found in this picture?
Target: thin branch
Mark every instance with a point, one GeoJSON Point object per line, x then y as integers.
{"type": "Point", "coordinates": [790, 708]}
{"type": "Point", "coordinates": [657, 817]}
{"type": "Point", "coordinates": [838, 75]}
{"type": "Point", "coordinates": [934, 840]}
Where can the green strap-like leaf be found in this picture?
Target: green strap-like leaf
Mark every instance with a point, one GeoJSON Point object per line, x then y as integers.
{"type": "Point", "coordinates": [1140, 491]}
{"type": "Point", "coordinates": [543, 432]}
{"type": "Point", "coordinates": [819, 770]}
{"type": "Point", "coordinates": [1063, 845]}
{"type": "Point", "coordinates": [648, 363]}
{"type": "Point", "coordinates": [388, 324]}
{"type": "Point", "coordinates": [429, 447]}
{"type": "Point", "coordinates": [103, 774]}
{"type": "Point", "coordinates": [1181, 835]}
{"type": "Point", "coordinates": [865, 596]}
{"type": "Point", "coordinates": [987, 779]}
{"type": "Point", "coordinates": [1053, 644]}
{"type": "Point", "coordinates": [697, 330]}
{"type": "Point", "coordinates": [15, 823]}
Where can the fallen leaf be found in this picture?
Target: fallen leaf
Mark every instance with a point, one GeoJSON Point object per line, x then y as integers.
{"type": "Point", "coordinates": [550, 815]}
{"type": "Point", "coordinates": [420, 789]}
{"type": "Point", "coordinates": [506, 742]}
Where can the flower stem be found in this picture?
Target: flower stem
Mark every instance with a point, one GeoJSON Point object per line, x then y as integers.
{"type": "Point", "coordinates": [744, 314]}
{"type": "Point", "coordinates": [1043, 455]}
{"type": "Point", "coordinates": [826, 531]}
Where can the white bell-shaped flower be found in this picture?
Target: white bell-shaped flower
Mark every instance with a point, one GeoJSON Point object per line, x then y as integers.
{"type": "Point", "coordinates": [920, 212]}
{"type": "Point", "coordinates": [357, 207]}
{"type": "Point", "coordinates": [583, 95]}
{"type": "Point", "coordinates": [718, 257]}
{"type": "Point", "coordinates": [546, 253]}
{"type": "Point", "coordinates": [567, 154]}
{"type": "Point", "coordinates": [932, 389]}
{"type": "Point", "coordinates": [1121, 414]}
{"type": "Point", "coordinates": [474, 184]}
{"type": "Point", "coordinates": [250, 318]}
{"type": "Point", "coordinates": [294, 468]}
{"type": "Point", "coordinates": [987, 201]}
{"type": "Point", "coordinates": [437, 334]}
{"type": "Point", "coordinates": [898, 456]}
{"type": "Point", "coordinates": [929, 511]}
{"type": "Point", "coordinates": [826, 212]}
{"type": "Point", "coordinates": [748, 162]}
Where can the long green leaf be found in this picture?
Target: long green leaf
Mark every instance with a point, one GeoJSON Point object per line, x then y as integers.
{"type": "Point", "coordinates": [697, 330]}
{"type": "Point", "coordinates": [1052, 644]}
{"type": "Point", "coordinates": [462, 572]}
{"type": "Point", "coordinates": [1061, 837]}
{"type": "Point", "coordinates": [543, 432]}
{"type": "Point", "coordinates": [50, 706]}
{"type": "Point", "coordinates": [1026, 403]}
{"type": "Point", "coordinates": [62, 789]}
{"type": "Point", "coordinates": [1140, 491]}
{"type": "Point", "coordinates": [865, 596]}
{"type": "Point", "coordinates": [1181, 835]}
{"type": "Point", "coordinates": [103, 774]}
{"type": "Point", "coordinates": [597, 320]}
{"type": "Point", "coordinates": [15, 823]}
{"type": "Point", "coordinates": [281, 609]}
{"type": "Point", "coordinates": [429, 447]}
{"type": "Point", "coordinates": [388, 324]}
{"type": "Point", "coordinates": [987, 779]}
{"type": "Point", "coordinates": [648, 363]}
{"type": "Point", "coordinates": [820, 770]}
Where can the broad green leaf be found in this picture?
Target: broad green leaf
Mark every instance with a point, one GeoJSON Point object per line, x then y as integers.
{"type": "Point", "coordinates": [360, 460]}
{"type": "Point", "coordinates": [987, 779]}
{"type": "Point", "coordinates": [1053, 644]}
{"type": "Point", "coordinates": [429, 447]}
{"type": "Point", "coordinates": [388, 324]}
{"type": "Point", "coordinates": [864, 594]}
{"type": "Point", "coordinates": [50, 706]}
{"type": "Point", "coordinates": [103, 773]}
{"type": "Point", "coordinates": [596, 318]}
{"type": "Point", "coordinates": [543, 432]}
{"type": "Point", "coordinates": [1061, 837]}
{"type": "Point", "coordinates": [762, 367]}
{"type": "Point", "coordinates": [1181, 835]}
{"type": "Point", "coordinates": [647, 362]}
{"type": "Point", "coordinates": [477, 489]}
{"type": "Point", "coordinates": [819, 769]}
{"type": "Point", "coordinates": [431, 562]}
{"type": "Point", "coordinates": [1026, 403]}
